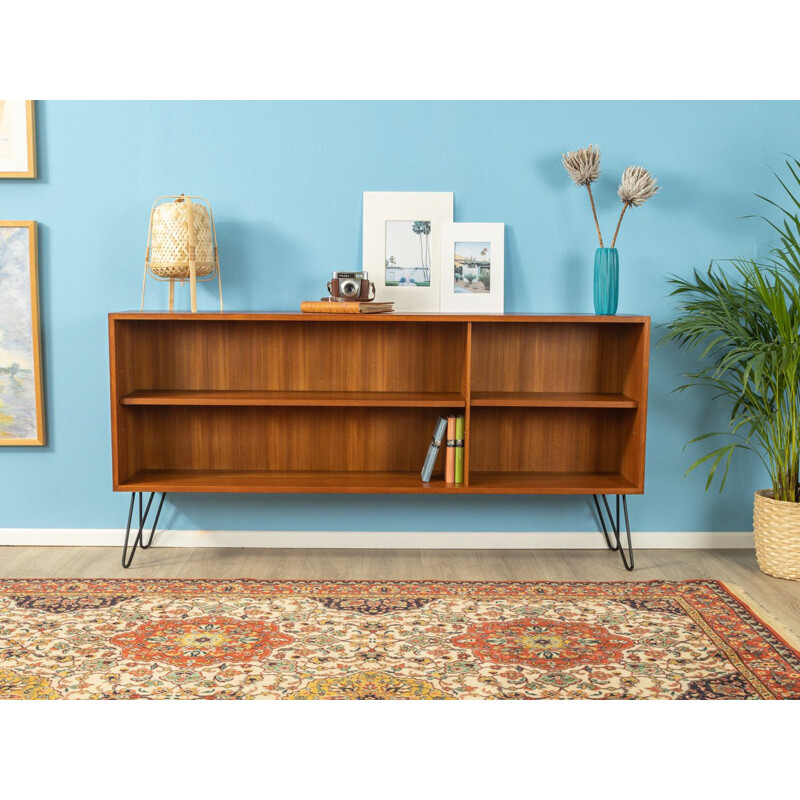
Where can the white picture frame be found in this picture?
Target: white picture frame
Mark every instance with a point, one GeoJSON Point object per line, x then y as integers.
{"type": "Point", "coordinates": [472, 279]}
{"type": "Point", "coordinates": [408, 276]}
{"type": "Point", "coordinates": [17, 139]}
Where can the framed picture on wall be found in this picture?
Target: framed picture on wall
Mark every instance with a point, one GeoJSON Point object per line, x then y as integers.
{"type": "Point", "coordinates": [402, 246]}
{"type": "Point", "coordinates": [17, 139]}
{"type": "Point", "coordinates": [472, 279]}
{"type": "Point", "coordinates": [21, 410]}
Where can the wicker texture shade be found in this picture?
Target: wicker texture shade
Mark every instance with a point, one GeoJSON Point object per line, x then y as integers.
{"type": "Point", "coordinates": [182, 245]}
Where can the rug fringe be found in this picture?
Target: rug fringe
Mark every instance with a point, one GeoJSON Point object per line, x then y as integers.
{"type": "Point", "coordinates": [786, 633]}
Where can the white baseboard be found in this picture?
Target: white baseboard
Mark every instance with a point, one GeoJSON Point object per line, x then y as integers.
{"type": "Point", "coordinates": [438, 540]}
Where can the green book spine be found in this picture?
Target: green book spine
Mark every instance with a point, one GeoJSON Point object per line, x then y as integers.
{"type": "Point", "coordinates": [459, 449]}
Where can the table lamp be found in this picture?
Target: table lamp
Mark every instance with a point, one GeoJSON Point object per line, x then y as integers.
{"type": "Point", "coordinates": [181, 245]}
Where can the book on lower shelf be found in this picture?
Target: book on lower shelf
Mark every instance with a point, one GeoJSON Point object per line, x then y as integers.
{"type": "Point", "coordinates": [433, 449]}
{"type": "Point", "coordinates": [459, 466]}
{"type": "Point", "coordinates": [450, 452]}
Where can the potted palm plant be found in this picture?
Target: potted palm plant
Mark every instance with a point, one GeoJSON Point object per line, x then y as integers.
{"type": "Point", "coordinates": [745, 323]}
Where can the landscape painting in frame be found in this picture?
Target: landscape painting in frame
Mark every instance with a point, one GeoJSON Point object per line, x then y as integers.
{"type": "Point", "coordinates": [21, 413]}
{"type": "Point", "coordinates": [473, 255]}
{"type": "Point", "coordinates": [17, 139]}
{"type": "Point", "coordinates": [402, 246]}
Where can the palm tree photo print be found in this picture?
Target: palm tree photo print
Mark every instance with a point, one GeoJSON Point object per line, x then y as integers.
{"type": "Point", "coordinates": [471, 267]}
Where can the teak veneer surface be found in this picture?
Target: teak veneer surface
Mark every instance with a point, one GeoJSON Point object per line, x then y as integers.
{"type": "Point", "coordinates": [222, 397]}
{"type": "Point", "coordinates": [293, 316]}
{"type": "Point", "coordinates": [291, 402]}
{"type": "Point", "coordinates": [372, 482]}
{"type": "Point", "coordinates": [554, 399]}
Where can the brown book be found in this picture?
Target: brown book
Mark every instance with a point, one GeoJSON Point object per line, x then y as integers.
{"type": "Point", "coordinates": [450, 458]}
{"type": "Point", "coordinates": [348, 307]}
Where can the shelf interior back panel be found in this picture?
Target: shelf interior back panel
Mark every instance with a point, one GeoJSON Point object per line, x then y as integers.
{"type": "Point", "coordinates": [275, 438]}
{"type": "Point", "coordinates": [555, 357]}
{"type": "Point", "coordinates": [545, 440]}
{"type": "Point", "coordinates": [287, 356]}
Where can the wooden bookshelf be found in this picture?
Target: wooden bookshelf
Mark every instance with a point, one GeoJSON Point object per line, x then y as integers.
{"type": "Point", "coordinates": [282, 402]}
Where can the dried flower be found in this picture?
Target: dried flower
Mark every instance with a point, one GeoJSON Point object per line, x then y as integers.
{"type": "Point", "coordinates": [583, 165]}
{"type": "Point", "coordinates": [637, 186]}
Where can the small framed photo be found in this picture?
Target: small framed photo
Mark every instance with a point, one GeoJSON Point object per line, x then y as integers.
{"type": "Point", "coordinates": [21, 408]}
{"type": "Point", "coordinates": [17, 139]}
{"type": "Point", "coordinates": [402, 246]}
{"type": "Point", "coordinates": [472, 267]}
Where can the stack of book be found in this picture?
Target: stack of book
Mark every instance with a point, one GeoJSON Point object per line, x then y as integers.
{"type": "Point", "coordinates": [449, 430]}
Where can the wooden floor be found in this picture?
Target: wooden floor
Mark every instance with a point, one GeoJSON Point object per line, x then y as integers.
{"type": "Point", "coordinates": [779, 597]}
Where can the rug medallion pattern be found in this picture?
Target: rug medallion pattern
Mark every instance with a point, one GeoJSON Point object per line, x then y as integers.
{"type": "Point", "coordinates": [163, 639]}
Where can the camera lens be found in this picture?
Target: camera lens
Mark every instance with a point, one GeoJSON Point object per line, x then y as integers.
{"type": "Point", "coordinates": [349, 287]}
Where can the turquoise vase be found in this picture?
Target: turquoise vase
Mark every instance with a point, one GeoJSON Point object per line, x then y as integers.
{"type": "Point", "coordinates": [606, 280]}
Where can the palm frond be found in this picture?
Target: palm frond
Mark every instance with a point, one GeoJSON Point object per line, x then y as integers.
{"type": "Point", "coordinates": [743, 323]}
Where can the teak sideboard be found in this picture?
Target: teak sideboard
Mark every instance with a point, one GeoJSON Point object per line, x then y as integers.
{"type": "Point", "coordinates": [291, 402]}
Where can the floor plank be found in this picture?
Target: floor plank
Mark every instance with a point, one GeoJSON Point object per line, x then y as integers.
{"type": "Point", "coordinates": [451, 565]}
{"type": "Point", "coordinates": [780, 598]}
{"type": "Point", "coordinates": [324, 564]}
{"type": "Point", "coordinates": [392, 565]}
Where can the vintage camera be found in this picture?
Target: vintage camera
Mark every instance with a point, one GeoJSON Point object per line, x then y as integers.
{"type": "Point", "coordinates": [351, 286]}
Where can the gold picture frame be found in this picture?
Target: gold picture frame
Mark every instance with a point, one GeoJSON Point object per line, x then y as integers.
{"type": "Point", "coordinates": [13, 164]}
{"type": "Point", "coordinates": [21, 397]}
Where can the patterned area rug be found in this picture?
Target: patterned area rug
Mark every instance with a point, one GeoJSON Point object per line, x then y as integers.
{"type": "Point", "coordinates": [107, 639]}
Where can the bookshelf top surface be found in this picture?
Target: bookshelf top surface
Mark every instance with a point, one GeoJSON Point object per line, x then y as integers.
{"type": "Point", "coordinates": [296, 316]}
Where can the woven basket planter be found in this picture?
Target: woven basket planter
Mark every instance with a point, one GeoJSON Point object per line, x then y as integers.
{"type": "Point", "coordinates": [776, 526]}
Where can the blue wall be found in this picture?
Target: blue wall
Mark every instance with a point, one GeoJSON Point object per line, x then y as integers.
{"type": "Point", "coordinates": [285, 181]}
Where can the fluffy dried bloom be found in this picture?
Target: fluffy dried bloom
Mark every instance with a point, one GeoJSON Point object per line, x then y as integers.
{"type": "Point", "coordinates": [637, 186]}
{"type": "Point", "coordinates": [583, 165]}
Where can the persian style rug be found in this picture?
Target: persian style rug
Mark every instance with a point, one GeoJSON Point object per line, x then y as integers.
{"type": "Point", "coordinates": [155, 639]}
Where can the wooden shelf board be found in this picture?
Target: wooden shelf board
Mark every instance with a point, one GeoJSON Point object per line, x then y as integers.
{"type": "Point", "coordinates": [268, 481]}
{"type": "Point", "coordinates": [553, 400]}
{"type": "Point", "coordinates": [551, 483]}
{"type": "Point", "coordinates": [394, 316]}
{"type": "Point", "coordinates": [241, 481]}
{"type": "Point", "coordinates": [160, 397]}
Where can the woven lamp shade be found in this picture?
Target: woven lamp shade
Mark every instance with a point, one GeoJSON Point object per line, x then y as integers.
{"type": "Point", "coordinates": [182, 245]}
{"type": "Point", "coordinates": [169, 241]}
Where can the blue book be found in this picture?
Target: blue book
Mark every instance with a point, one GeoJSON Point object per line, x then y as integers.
{"type": "Point", "coordinates": [433, 450]}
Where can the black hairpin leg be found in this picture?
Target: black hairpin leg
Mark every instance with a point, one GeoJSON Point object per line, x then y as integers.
{"type": "Point", "coordinates": [614, 524]}
{"type": "Point", "coordinates": [127, 556]}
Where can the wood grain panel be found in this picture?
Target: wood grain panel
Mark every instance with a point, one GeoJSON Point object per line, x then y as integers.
{"type": "Point", "coordinates": [635, 384]}
{"type": "Point", "coordinates": [548, 440]}
{"type": "Point", "coordinates": [373, 482]}
{"type": "Point", "coordinates": [552, 357]}
{"type": "Point", "coordinates": [287, 481]}
{"type": "Point", "coordinates": [278, 438]}
{"type": "Point", "coordinates": [280, 356]}
{"type": "Point", "coordinates": [553, 400]}
{"type": "Point", "coordinates": [224, 397]}
{"type": "Point", "coordinates": [371, 319]}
